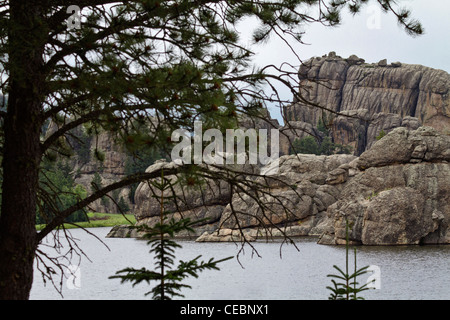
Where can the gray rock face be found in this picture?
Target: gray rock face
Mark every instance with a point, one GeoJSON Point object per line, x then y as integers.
{"type": "Point", "coordinates": [396, 193]}
{"type": "Point", "coordinates": [111, 169]}
{"type": "Point", "coordinates": [292, 201]}
{"type": "Point", "coordinates": [303, 188]}
{"type": "Point", "coordinates": [200, 201]}
{"type": "Point", "coordinates": [368, 98]}
{"type": "Point", "coordinates": [396, 216]}
{"type": "Point", "coordinates": [400, 196]}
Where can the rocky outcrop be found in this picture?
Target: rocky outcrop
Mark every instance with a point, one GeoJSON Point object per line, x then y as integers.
{"type": "Point", "coordinates": [298, 194]}
{"type": "Point", "coordinates": [197, 201]}
{"type": "Point", "coordinates": [400, 196]}
{"type": "Point", "coordinates": [111, 169]}
{"type": "Point", "coordinates": [396, 193]}
{"type": "Point", "coordinates": [292, 200]}
{"type": "Point", "coordinates": [85, 165]}
{"type": "Point", "coordinates": [365, 99]}
{"type": "Point", "coordinates": [404, 146]}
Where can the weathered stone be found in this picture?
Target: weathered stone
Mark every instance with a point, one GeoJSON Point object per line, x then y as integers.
{"type": "Point", "coordinates": [187, 198]}
{"type": "Point", "coordinates": [396, 216]}
{"type": "Point", "coordinates": [396, 200]}
{"type": "Point", "coordinates": [337, 176]}
{"type": "Point", "coordinates": [353, 59]}
{"type": "Point", "coordinates": [401, 145]}
{"type": "Point", "coordinates": [294, 197]}
{"type": "Point", "coordinates": [401, 95]}
{"type": "Point", "coordinates": [296, 193]}
{"type": "Point", "coordinates": [123, 231]}
{"type": "Point", "coordinates": [382, 63]}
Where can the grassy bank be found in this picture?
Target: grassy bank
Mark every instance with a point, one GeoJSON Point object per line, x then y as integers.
{"type": "Point", "coordinates": [97, 220]}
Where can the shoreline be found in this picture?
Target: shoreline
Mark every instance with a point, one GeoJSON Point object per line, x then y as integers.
{"type": "Point", "coordinates": [251, 235]}
{"type": "Point", "coordinates": [98, 220]}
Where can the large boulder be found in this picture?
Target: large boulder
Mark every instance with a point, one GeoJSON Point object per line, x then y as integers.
{"type": "Point", "coordinates": [404, 146]}
{"type": "Point", "coordinates": [396, 216]}
{"type": "Point", "coordinates": [196, 200]}
{"type": "Point", "coordinates": [400, 196]}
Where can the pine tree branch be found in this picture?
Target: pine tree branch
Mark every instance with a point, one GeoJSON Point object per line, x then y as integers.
{"type": "Point", "coordinates": [139, 177]}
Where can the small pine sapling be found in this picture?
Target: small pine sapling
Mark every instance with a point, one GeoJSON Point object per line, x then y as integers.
{"type": "Point", "coordinates": [163, 247]}
{"type": "Point", "coordinates": [348, 289]}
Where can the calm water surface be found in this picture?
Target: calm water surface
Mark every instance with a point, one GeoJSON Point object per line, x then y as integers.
{"type": "Point", "coordinates": [405, 272]}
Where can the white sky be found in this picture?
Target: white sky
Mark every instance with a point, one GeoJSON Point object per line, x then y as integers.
{"type": "Point", "coordinates": [373, 36]}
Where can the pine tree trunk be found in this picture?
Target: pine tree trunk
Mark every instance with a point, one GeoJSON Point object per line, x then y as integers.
{"type": "Point", "coordinates": [21, 152]}
{"type": "Point", "coordinates": [17, 221]}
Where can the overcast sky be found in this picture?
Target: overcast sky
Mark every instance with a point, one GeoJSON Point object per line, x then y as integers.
{"type": "Point", "coordinates": [373, 36]}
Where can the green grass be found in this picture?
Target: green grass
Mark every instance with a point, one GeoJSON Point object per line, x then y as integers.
{"type": "Point", "coordinates": [97, 220]}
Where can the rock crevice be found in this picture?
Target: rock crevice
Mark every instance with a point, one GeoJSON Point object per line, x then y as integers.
{"type": "Point", "coordinates": [365, 99]}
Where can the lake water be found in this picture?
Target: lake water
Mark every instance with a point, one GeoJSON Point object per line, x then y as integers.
{"type": "Point", "coordinates": [404, 273]}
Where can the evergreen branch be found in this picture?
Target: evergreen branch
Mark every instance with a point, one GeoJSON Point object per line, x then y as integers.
{"type": "Point", "coordinates": [138, 177]}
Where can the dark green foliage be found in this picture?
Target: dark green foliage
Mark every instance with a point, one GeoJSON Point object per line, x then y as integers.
{"type": "Point", "coordinates": [96, 182]}
{"type": "Point", "coordinates": [309, 145]}
{"type": "Point", "coordinates": [60, 193]}
{"type": "Point", "coordinates": [381, 135]}
{"type": "Point", "coordinates": [319, 146]}
{"type": "Point", "coordinates": [346, 287]}
{"type": "Point", "coordinates": [327, 147]}
{"type": "Point", "coordinates": [120, 202]}
{"type": "Point", "coordinates": [322, 125]}
{"type": "Point", "coordinates": [82, 145]}
{"type": "Point", "coordinates": [306, 145]}
{"type": "Point", "coordinates": [123, 206]}
{"type": "Point", "coordinates": [168, 279]}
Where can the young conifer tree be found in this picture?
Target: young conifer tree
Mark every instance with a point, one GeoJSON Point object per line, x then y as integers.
{"type": "Point", "coordinates": [346, 286]}
{"type": "Point", "coordinates": [168, 279]}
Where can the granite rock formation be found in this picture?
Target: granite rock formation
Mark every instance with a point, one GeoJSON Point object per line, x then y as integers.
{"type": "Point", "coordinates": [293, 201]}
{"type": "Point", "coordinates": [367, 99]}
{"type": "Point", "coordinates": [396, 193]}
{"type": "Point", "coordinates": [400, 195]}
{"type": "Point", "coordinates": [85, 165]}
{"type": "Point", "coordinates": [364, 99]}
{"type": "Point", "coordinates": [200, 201]}
{"type": "Point", "coordinates": [398, 184]}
